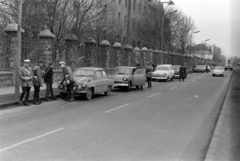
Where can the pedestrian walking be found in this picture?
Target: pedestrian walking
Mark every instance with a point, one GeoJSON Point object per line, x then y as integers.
{"type": "Point", "coordinates": [182, 73]}
{"type": "Point", "coordinates": [48, 79]}
{"type": "Point", "coordinates": [67, 80]}
{"type": "Point", "coordinates": [37, 82]}
{"type": "Point", "coordinates": [26, 76]}
{"type": "Point", "coordinates": [149, 70]}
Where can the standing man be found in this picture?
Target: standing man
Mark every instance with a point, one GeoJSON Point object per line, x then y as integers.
{"type": "Point", "coordinates": [149, 70]}
{"type": "Point", "coordinates": [48, 79]}
{"type": "Point", "coordinates": [67, 80]}
{"type": "Point", "coordinates": [138, 66]}
{"type": "Point", "coordinates": [26, 76]}
{"type": "Point", "coordinates": [182, 72]}
{"type": "Point", "coordinates": [37, 82]}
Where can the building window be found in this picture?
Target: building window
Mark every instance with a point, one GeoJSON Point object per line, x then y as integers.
{"type": "Point", "coordinates": [139, 8]}
{"type": "Point", "coordinates": [125, 3]}
{"type": "Point", "coordinates": [125, 20]}
{"type": "Point", "coordinates": [133, 24]}
{"type": "Point", "coordinates": [134, 5]}
{"type": "Point", "coordinates": [119, 1]}
{"type": "Point", "coordinates": [119, 17]}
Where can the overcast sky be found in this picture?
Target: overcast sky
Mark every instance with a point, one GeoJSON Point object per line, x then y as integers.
{"type": "Point", "coordinates": [218, 20]}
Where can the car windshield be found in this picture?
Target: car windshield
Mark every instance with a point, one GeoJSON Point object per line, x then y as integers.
{"type": "Point", "coordinates": [219, 68]}
{"type": "Point", "coordinates": [83, 73]}
{"type": "Point", "coordinates": [162, 68]}
{"type": "Point", "coordinates": [176, 67]}
{"type": "Point", "coordinates": [122, 71]}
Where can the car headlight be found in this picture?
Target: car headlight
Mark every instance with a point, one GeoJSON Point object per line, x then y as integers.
{"type": "Point", "coordinates": [59, 84]}
{"type": "Point", "coordinates": [83, 85]}
{"type": "Point", "coordinates": [125, 79]}
{"type": "Point", "coordinates": [79, 87]}
{"type": "Point", "coordinates": [75, 88]}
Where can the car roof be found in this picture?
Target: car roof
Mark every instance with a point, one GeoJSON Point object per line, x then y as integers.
{"type": "Point", "coordinates": [90, 68]}
{"type": "Point", "coordinates": [168, 65]}
{"type": "Point", "coordinates": [125, 67]}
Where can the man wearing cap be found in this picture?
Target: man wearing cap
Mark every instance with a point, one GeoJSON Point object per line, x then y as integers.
{"type": "Point", "coordinates": [26, 76]}
{"type": "Point", "coordinates": [67, 80]}
{"type": "Point", "coordinates": [149, 70]}
{"type": "Point", "coordinates": [37, 82]}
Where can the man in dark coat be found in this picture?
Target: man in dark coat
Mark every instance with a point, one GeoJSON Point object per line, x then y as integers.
{"type": "Point", "coordinates": [37, 82]}
{"type": "Point", "coordinates": [67, 80]}
{"type": "Point", "coordinates": [48, 79]}
{"type": "Point", "coordinates": [26, 76]}
{"type": "Point", "coordinates": [182, 73]}
{"type": "Point", "coordinates": [149, 70]}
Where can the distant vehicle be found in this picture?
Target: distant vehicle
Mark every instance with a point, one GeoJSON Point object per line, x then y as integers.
{"type": "Point", "coordinates": [176, 71]}
{"type": "Point", "coordinates": [218, 70]}
{"type": "Point", "coordinates": [127, 77]}
{"type": "Point", "coordinates": [200, 68]}
{"type": "Point", "coordinates": [229, 65]}
{"type": "Point", "coordinates": [163, 72]}
{"type": "Point", "coordinates": [89, 81]}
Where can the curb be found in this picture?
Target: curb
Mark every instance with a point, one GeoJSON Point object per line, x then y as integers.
{"type": "Point", "coordinates": [213, 142]}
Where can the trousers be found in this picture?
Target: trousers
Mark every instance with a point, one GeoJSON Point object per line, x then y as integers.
{"type": "Point", "coordinates": [25, 92]}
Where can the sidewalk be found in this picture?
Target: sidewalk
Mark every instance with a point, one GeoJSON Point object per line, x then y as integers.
{"type": "Point", "coordinates": [7, 97]}
{"type": "Point", "coordinates": [225, 144]}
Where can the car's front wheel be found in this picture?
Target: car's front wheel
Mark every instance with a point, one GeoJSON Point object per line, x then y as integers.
{"type": "Point", "coordinates": [89, 93]}
{"type": "Point", "coordinates": [108, 92]}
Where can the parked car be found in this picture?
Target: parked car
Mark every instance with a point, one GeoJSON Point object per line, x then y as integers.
{"type": "Point", "coordinates": [89, 81]}
{"type": "Point", "coordinates": [230, 67]}
{"type": "Point", "coordinates": [200, 68]}
{"type": "Point", "coordinates": [176, 71]}
{"type": "Point", "coordinates": [163, 72]}
{"type": "Point", "coordinates": [218, 70]}
{"type": "Point", "coordinates": [127, 77]}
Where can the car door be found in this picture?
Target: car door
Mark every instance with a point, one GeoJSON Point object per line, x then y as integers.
{"type": "Point", "coordinates": [139, 77]}
{"type": "Point", "coordinates": [105, 79]}
{"type": "Point", "coordinates": [171, 71]}
{"type": "Point", "coordinates": [99, 82]}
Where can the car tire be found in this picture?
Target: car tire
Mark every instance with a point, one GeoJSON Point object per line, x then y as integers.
{"type": "Point", "coordinates": [129, 87]}
{"type": "Point", "coordinates": [89, 93]}
{"type": "Point", "coordinates": [63, 95]}
{"type": "Point", "coordinates": [172, 79]}
{"type": "Point", "coordinates": [108, 92]}
{"type": "Point", "coordinates": [223, 75]}
{"type": "Point", "coordinates": [141, 87]}
{"type": "Point", "coordinates": [213, 75]}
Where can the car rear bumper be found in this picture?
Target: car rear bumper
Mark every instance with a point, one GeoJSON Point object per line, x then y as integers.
{"type": "Point", "coordinates": [159, 78]}
{"type": "Point", "coordinates": [120, 85]}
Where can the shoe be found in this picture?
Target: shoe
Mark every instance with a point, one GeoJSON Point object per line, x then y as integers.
{"type": "Point", "coordinates": [26, 104]}
{"type": "Point", "coordinates": [71, 100]}
{"type": "Point", "coordinates": [54, 98]}
{"type": "Point", "coordinates": [66, 100]}
{"type": "Point", "coordinates": [46, 99]}
{"type": "Point", "coordinates": [36, 103]}
{"type": "Point", "coordinates": [21, 103]}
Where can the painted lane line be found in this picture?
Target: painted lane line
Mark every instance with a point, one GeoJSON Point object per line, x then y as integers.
{"type": "Point", "coordinates": [117, 108]}
{"type": "Point", "coordinates": [173, 88]}
{"type": "Point", "coordinates": [153, 95]}
{"type": "Point", "coordinates": [185, 83]}
{"type": "Point", "coordinates": [31, 139]}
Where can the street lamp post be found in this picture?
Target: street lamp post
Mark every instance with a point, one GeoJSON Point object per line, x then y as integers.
{"type": "Point", "coordinates": [191, 42]}
{"type": "Point", "coordinates": [202, 46]}
{"type": "Point", "coordinates": [162, 26]}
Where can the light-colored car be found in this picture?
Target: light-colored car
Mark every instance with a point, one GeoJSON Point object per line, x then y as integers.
{"type": "Point", "coordinates": [89, 81]}
{"type": "Point", "coordinates": [218, 70]}
{"type": "Point", "coordinates": [176, 69]}
{"type": "Point", "coordinates": [163, 72]}
{"type": "Point", "coordinates": [200, 68]}
{"type": "Point", "coordinates": [128, 77]}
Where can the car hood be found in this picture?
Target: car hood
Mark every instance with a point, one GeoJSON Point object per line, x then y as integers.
{"type": "Point", "coordinates": [217, 70]}
{"type": "Point", "coordinates": [80, 80]}
{"type": "Point", "coordinates": [120, 77]}
{"type": "Point", "coordinates": [160, 72]}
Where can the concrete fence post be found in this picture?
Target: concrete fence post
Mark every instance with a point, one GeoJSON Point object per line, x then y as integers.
{"type": "Point", "coordinates": [46, 37]}
{"type": "Point", "coordinates": [118, 54]}
{"type": "Point", "coordinates": [144, 52]}
{"type": "Point", "coordinates": [71, 44]}
{"type": "Point", "coordinates": [104, 55]}
{"type": "Point", "coordinates": [90, 52]}
{"type": "Point", "coordinates": [128, 49]}
{"type": "Point", "coordinates": [137, 53]}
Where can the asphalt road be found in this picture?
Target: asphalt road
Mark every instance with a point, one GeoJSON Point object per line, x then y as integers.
{"type": "Point", "coordinates": [171, 121]}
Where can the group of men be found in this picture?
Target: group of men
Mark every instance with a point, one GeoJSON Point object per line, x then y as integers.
{"type": "Point", "coordinates": [148, 71]}
{"type": "Point", "coordinates": [35, 77]}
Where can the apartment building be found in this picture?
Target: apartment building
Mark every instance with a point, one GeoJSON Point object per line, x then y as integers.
{"type": "Point", "coordinates": [125, 15]}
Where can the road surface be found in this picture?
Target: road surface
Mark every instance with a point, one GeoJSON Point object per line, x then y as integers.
{"type": "Point", "coordinates": [171, 121]}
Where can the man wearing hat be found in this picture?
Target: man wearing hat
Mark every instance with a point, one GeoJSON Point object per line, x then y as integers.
{"type": "Point", "coordinates": [26, 76]}
{"type": "Point", "coordinates": [149, 70]}
{"type": "Point", "coordinates": [37, 81]}
{"type": "Point", "coordinates": [67, 80]}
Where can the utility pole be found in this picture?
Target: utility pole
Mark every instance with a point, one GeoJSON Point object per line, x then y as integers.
{"type": "Point", "coordinates": [18, 54]}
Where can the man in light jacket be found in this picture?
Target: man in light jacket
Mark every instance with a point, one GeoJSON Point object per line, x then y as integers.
{"type": "Point", "coordinates": [37, 82]}
{"type": "Point", "coordinates": [67, 80]}
{"type": "Point", "coordinates": [26, 76]}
